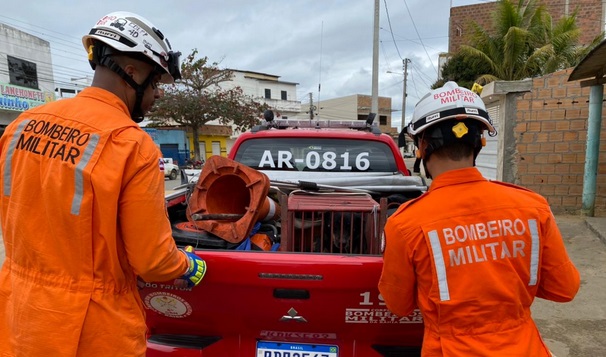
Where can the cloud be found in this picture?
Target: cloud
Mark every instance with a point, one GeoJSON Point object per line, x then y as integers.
{"type": "Point", "coordinates": [302, 41]}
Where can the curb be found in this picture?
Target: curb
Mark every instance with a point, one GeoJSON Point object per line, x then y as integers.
{"type": "Point", "coordinates": [598, 226]}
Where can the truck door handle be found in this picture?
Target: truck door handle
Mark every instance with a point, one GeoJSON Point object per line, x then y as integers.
{"type": "Point", "coordinates": [291, 294]}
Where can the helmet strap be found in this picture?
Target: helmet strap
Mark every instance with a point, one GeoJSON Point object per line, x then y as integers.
{"type": "Point", "coordinates": [136, 113]}
{"type": "Point", "coordinates": [427, 173]}
{"type": "Point", "coordinates": [442, 135]}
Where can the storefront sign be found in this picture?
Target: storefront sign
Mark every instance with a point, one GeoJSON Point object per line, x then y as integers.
{"type": "Point", "coordinates": [20, 99]}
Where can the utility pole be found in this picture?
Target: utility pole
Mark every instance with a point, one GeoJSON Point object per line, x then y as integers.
{"type": "Point", "coordinates": [405, 63]}
{"type": "Point", "coordinates": [311, 106]}
{"type": "Point", "coordinates": [374, 108]}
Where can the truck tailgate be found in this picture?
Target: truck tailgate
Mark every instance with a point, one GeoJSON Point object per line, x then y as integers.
{"type": "Point", "coordinates": [279, 296]}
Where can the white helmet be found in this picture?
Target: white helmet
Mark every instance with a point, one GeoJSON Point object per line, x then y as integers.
{"type": "Point", "coordinates": [130, 33]}
{"type": "Point", "coordinates": [449, 102]}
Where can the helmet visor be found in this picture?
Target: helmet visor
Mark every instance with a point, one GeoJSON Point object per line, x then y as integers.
{"type": "Point", "coordinates": [173, 65]}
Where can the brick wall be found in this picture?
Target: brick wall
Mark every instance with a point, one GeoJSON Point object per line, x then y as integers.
{"type": "Point", "coordinates": [589, 18]}
{"type": "Point", "coordinates": [550, 136]}
{"type": "Point", "coordinates": [365, 102]}
{"type": "Point", "coordinates": [461, 17]}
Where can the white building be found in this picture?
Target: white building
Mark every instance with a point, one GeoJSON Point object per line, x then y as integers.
{"type": "Point", "coordinates": [75, 86]}
{"type": "Point", "coordinates": [265, 88]}
{"type": "Point", "coordinates": [351, 107]}
{"type": "Point", "coordinates": [26, 73]}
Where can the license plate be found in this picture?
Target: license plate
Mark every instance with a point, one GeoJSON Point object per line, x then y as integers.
{"type": "Point", "coordinates": [282, 349]}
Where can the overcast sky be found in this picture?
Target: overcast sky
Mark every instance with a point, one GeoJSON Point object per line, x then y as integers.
{"type": "Point", "coordinates": [309, 42]}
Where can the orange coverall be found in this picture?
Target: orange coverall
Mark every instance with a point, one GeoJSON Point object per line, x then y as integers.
{"type": "Point", "coordinates": [83, 214]}
{"type": "Point", "coordinates": [472, 255]}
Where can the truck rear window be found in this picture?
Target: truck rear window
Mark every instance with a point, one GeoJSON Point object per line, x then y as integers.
{"type": "Point", "coordinates": [316, 154]}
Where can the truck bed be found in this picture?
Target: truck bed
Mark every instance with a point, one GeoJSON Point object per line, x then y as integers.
{"type": "Point", "coordinates": [305, 283]}
{"type": "Point", "coordinates": [281, 297]}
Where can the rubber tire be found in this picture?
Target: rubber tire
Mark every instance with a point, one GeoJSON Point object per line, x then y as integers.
{"type": "Point", "coordinates": [173, 175]}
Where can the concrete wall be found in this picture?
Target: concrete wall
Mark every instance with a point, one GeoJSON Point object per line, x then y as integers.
{"type": "Point", "coordinates": [342, 108]}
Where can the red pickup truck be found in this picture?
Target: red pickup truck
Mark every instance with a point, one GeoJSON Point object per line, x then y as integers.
{"type": "Point", "coordinates": [310, 289]}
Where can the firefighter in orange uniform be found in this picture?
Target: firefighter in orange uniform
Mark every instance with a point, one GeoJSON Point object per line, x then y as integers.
{"type": "Point", "coordinates": [83, 211]}
{"type": "Point", "coordinates": [471, 254]}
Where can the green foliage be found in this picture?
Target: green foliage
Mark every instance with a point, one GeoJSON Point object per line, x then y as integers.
{"type": "Point", "coordinates": [198, 98]}
{"type": "Point", "coordinates": [461, 69]}
{"type": "Point", "coordinates": [523, 42]}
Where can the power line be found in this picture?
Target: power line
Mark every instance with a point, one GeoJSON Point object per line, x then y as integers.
{"type": "Point", "coordinates": [46, 31]}
{"type": "Point", "coordinates": [419, 36]}
{"type": "Point", "coordinates": [419, 43]}
{"type": "Point", "coordinates": [55, 69]}
{"type": "Point", "coordinates": [391, 29]}
{"type": "Point", "coordinates": [415, 67]}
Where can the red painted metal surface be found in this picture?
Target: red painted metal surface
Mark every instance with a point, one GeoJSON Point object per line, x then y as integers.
{"type": "Point", "coordinates": [245, 295]}
{"type": "Point", "coordinates": [300, 294]}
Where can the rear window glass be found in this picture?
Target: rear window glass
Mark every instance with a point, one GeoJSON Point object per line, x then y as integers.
{"type": "Point", "coordinates": [316, 154]}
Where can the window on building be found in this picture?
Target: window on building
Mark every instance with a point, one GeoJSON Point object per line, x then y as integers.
{"type": "Point", "coordinates": [382, 118]}
{"type": "Point", "coordinates": [22, 73]}
{"type": "Point", "coordinates": [284, 95]}
{"type": "Point", "coordinates": [458, 32]}
{"type": "Point", "coordinates": [267, 93]}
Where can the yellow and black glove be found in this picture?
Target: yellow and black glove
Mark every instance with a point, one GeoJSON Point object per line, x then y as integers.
{"type": "Point", "coordinates": [197, 267]}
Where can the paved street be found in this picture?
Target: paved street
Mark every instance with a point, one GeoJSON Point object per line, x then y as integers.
{"type": "Point", "coordinates": [576, 328]}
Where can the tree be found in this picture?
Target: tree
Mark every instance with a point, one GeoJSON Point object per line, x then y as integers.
{"type": "Point", "coordinates": [561, 50]}
{"type": "Point", "coordinates": [461, 69]}
{"type": "Point", "coordinates": [198, 98]}
{"type": "Point", "coordinates": [524, 43]}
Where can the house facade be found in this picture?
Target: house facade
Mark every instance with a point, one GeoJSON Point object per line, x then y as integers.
{"type": "Point", "coordinates": [265, 88]}
{"type": "Point", "coordinates": [542, 122]}
{"type": "Point", "coordinates": [542, 140]}
{"type": "Point", "coordinates": [352, 107]}
{"type": "Point", "coordinates": [26, 76]}
{"type": "Point", "coordinates": [590, 18]}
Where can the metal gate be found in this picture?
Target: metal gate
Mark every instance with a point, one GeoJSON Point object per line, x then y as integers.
{"type": "Point", "coordinates": [488, 159]}
{"type": "Point", "coordinates": [172, 151]}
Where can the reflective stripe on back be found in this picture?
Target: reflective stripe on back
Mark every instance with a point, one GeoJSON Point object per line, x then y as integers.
{"type": "Point", "coordinates": [534, 251]}
{"type": "Point", "coordinates": [79, 172]}
{"type": "Point", "coordinates": [9, 157]}
{"type": "Point", "coordinates": [438, 261]}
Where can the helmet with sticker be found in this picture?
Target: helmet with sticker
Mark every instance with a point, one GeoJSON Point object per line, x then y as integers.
{"type": "Point", "coordinates": [449, 102]}
{"type": "Point", "coordinates": [133, 35]}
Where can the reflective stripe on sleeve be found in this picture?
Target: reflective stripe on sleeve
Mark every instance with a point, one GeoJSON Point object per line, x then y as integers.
{"type": "Point", "coordinates": [534, 251]}
{"type": "Point", "coordinates": [79, 179]}
{"type": "Point", "coordinates": [9, 157]}
{"type": "Point", "coordinates": [438, 261]}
